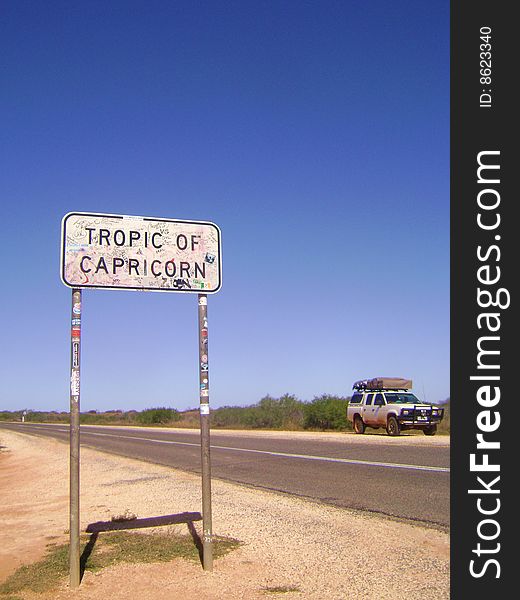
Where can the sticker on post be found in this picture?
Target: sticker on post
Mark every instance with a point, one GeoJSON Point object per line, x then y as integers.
{"type": "Point", "coordinates": [203, 301]}
{"type": "Point", "coordinates": [74, 383]}
{"type": "Point", "coordinates": [75, 355]}
{"type": "Point", "coordinates": [204, 393]}
{"type": "Point", "coordinates": [204, 409]}
{"type": "Point", "coordinates": [76, 309]}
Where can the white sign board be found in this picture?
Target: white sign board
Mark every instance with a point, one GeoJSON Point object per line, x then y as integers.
{"type": "Point", "coordinates": [140, 253]}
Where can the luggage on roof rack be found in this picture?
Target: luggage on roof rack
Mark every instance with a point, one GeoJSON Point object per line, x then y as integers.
{"type": "Point", "coordinates": [383, 383]}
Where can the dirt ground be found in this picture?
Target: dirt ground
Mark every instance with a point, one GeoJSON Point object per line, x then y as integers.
{"type": "Point", "coordinates": [322, 551]}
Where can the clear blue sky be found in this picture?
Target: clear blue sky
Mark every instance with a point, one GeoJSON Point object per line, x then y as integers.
{"type": "Point", "coordinates": [315, 134]}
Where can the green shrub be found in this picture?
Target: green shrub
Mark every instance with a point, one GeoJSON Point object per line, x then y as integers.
{"type": "Point", "coordinates": [155, 416]}
{"type": "Point", "coordinates": [6, 415]}
{"type": "Point", "coordinates": [285, 412]}
{"type": "Point", "coordinates": [444, 426]}
{"type": "Point", "coordinates": [326, 412]}
{"type": "Point", "coordinates": [230, 416]}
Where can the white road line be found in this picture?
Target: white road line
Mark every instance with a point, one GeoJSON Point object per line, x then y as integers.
{"type": "Point", "coordinates": [350, 461]}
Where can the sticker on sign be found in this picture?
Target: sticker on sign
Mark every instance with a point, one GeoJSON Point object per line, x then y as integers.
{"type": "Point", "coordinates": [140, 253]}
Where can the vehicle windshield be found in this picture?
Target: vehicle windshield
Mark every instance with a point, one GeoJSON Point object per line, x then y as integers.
{"type": "Point", "coordinates": [402, 399]}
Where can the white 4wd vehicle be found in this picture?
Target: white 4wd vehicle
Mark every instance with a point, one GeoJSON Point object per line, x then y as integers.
{"type": "Point", "coordinates": [386, 402]}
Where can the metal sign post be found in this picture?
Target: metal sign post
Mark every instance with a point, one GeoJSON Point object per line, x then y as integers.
{"type": "Point", "coordinates": [75, 341]}
{"type": "Point", "coordinates": [207, 544]}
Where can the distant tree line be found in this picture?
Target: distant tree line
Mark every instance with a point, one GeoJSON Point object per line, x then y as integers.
{"type": "Point", "coordinates": [323, 413]}
{"type": "Point", "coordinates": [150, 416]}
{"type": "Point", "coordinates": [286, 412]}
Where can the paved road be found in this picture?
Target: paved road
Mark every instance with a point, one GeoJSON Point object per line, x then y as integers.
{"type": "Point", "coordinates": [406, 480]}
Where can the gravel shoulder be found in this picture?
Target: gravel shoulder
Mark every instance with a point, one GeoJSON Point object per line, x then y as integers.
{"type": "Point", "coordinates": [322, 551]}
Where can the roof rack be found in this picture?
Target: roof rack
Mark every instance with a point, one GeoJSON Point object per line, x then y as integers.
{"type": "Point", "coordinates": [383, 383]}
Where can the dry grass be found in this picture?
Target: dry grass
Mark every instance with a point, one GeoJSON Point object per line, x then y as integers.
{"type": "Point", "coordinates": [110, 548]}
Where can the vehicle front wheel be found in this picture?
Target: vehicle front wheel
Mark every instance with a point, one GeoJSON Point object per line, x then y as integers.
{"type": "Point", "coordinates": [432, 430]}
{"type": "Point", "coordinates": [392, 426]}
{"type": "Point", "coordinates": [359, 426]}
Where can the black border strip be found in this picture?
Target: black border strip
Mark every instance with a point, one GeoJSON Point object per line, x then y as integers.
{"type": "Point", "coordinates": [479, 126]}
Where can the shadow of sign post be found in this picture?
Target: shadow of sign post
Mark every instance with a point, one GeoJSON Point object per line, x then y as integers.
{"type": "Point", "coordinates": [102, 251]}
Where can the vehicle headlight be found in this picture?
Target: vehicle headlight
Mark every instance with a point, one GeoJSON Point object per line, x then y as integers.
{"type": "Point", "coordinates": [436, 412]}
{"type": "Point", "coordinates": [405, 412]}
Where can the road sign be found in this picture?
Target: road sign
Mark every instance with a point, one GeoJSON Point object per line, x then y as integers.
{"type": "Point", "coordinates": [140, 253]}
